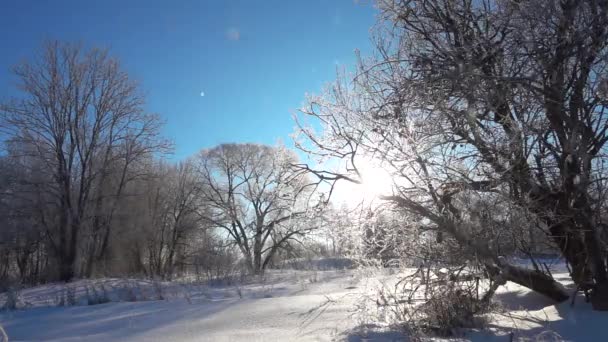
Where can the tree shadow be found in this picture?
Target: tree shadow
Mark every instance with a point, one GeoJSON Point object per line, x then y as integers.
{"type": "Point", "coordinates": [517, 300]}
{"type": "Point", "coordinates": [106, 321]}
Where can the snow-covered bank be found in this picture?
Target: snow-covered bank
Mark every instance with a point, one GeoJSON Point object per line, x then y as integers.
{"type": "Point", "coordinates": [284, 305]}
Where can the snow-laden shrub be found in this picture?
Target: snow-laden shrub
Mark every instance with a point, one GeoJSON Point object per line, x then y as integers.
{"type": "Point", "coordinates": [432, 301]}
{"type": "Point", "coordinates": [314, 277]}
{"type": "Point", "coordinates": [321, 264]}
{"type": "Point", "coordinates": [186, 294]}
{"type": "Point", "coordinates": [12, 299]}
{"type": "Point", "coordinates": [70, 295]}
{"type": "Point", "coordinates": [158, 290]}
{"type": "Point", "coordinates": [104, 297]}
{"type": "Point", "coordinates": [87, 293]}
{"type": "Point", "coordinates": [95, 297]}
{"type": "Point", "coordinates": [127, 293]}
{"type": "Point", "coordinates": [452, 307]}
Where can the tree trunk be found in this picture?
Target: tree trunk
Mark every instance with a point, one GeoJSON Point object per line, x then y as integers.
{"type": "Point", "coordinates": [257, 254]}
{"type": "Point", "coordinates": [532, 279]}
{"type": "Point", "coordinates": [257, 262]}
{"type": "Point", "coordinates": [599, 297]}
{"type": "Point", "coordinates": [66, 266]}
{"type": "Point", "coordinates": [88, 268]}
{"type": "Point", "coordinates": [576, 237]}
{"type": "Point", "coordinates": [536, 281]}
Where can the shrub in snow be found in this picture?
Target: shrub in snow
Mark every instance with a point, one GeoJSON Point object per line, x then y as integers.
{"type": "Point", "coordinates": [452, 307]}
{"type": "Point", "coordinates": [70, 295]}
{"type": "Point", "coordinates": [95, 297]}
{"type": "Point", "coordinates": [158, 290]}
{"type": "Point", "coordinates": [66, 297]}
{"type": "Point", "coordinates": [186, 294]}
{"type": "Point", "coordinates": [127, 293]}
{"type": "Point", "coordinates": [303, 282]}
{"type": "Point", "coordinates": [60, 300]}
{"type": "Point", "coordinates": [435, 300]}
{"type": "Point", "coordinates": [104, 297]}
{"type": "Point", "coordinates": [314, 277]}
{"type": "Point", "coordinates": [87, 293]}
{"type": "Point", "coordinates": [12, 299]}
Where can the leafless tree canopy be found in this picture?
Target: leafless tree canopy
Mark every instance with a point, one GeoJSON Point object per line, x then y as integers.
{"type": "Point", "coordinates": [85, 190]}
{"type": "Point", "coordinates": [256, 196]}
{"type": "Point", "coordinates": [477, 101]}
{"type": "Point", "coordinates": [488, 116]}
{"type": "Point", "coordinates": [79, 134]}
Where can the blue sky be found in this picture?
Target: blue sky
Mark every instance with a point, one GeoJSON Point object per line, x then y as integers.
{"type": "Point", "coordinates": [254, 60]}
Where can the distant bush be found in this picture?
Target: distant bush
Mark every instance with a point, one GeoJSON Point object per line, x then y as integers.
{"type": "Point", "coordinates": [70, 296]}
{"type": "Point", "coordinates": [318, 264]}
{"type": "Point", "coordinates": [95, 297]}
{"type": "Point", "coordinates": [127, 293]}
{"type": "Point", "coordinates": [12, 299]}
{"type": "Point", "coordinates": [158, 290]}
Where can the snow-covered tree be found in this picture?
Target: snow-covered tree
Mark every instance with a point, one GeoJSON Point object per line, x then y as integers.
{"type": "Point", "coordinates": [256, 196]}
{"type": "Point", "coordinates": [473, 102]}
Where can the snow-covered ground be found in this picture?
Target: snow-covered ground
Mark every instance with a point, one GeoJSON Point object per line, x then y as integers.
{"type": "Point", "coordinates": [530, 316]}
{"type": "Point", "coordinates": [285, 305]}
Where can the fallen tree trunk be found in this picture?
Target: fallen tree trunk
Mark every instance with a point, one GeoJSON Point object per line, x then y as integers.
{"type": "Point", "coordinates": [532, 279]}
{"type": "Point", "coordinates": [535, 280]}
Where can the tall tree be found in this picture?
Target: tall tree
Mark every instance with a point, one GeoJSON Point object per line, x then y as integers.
{"type": "Point", "coordinates": [255, 195]}
{"type": "Point", "coordinates": [495, 99]}
{"type": "Point", "coordinates": [82, 117]}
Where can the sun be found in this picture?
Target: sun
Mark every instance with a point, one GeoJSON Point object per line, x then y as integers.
{"type": "Point", "coordinates": [375, 181]}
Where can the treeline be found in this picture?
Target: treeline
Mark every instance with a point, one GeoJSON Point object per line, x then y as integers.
{"type": "Point", "coordinates": [84, 190]}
